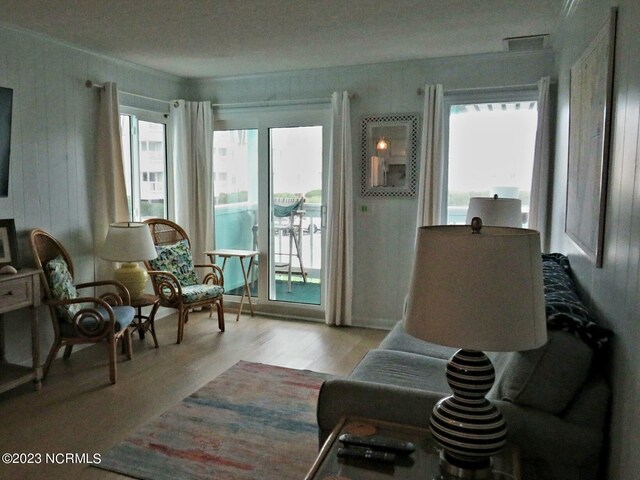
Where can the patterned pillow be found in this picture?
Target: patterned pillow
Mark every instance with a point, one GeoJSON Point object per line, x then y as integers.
{"type": "Point", "coordinates": [177, 259]}
{"type": "Point", "coordinates": [62, 288]}
{"type": "Point", "coordinates": [565, 311]}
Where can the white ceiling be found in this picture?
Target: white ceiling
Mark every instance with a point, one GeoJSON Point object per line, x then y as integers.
{"type": "Point", "coordinates": [199, 38]}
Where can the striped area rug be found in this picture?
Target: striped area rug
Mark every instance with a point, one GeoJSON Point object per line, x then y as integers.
{"type": "Point", "coordinates": [254, 421]}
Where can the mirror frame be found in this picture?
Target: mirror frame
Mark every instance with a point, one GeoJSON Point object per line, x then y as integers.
{"type": "Point", "coordinates": [409, 120]}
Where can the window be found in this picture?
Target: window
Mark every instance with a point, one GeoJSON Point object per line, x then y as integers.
{"type": "Point", "coordinates": [144, 155]}
{"type": "Point", "coordinates": [491, 142]}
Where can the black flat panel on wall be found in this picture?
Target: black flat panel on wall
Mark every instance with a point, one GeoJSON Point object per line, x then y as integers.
{"type": "Point", "coordinates": [6, 101]}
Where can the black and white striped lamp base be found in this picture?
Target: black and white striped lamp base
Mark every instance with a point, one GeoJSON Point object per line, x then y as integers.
{"type": "Point", "coordinates": [468, 427]}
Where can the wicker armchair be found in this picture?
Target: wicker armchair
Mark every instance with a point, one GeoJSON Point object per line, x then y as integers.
{"type": "Point", "coordinates": [79, 319]}
{"type": "Point", "coordinates": [173, 275]}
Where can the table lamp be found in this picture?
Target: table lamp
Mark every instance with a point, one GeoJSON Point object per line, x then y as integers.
{"type": "Point", "coordinates": [499, 212]}
{"type": "Point", "coordinates": [476, 289]}
{"type": "Point", "coordinates": [129, 243]}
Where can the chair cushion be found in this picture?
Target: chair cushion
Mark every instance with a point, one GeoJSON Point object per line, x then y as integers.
{"type": "Point", "coordinates": [176, 258]}
{"type": "Point", "coordinates": [122, 313]}
{"type": "Point", "coordinates": [62, 288]}
{"type": "Point", "coordinates": [197, 293]}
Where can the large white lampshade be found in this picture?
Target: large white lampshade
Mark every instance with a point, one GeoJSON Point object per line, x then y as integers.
{"type": "Point", "coordinates": [129, 243]}
{"type": "Point", "coordinates": [495, 211]}
{"type": "Point", "coordinates": [478, 289]}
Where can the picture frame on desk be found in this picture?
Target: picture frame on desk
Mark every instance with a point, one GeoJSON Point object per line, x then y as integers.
{"type": "Point", "coordinates": [8, 243]}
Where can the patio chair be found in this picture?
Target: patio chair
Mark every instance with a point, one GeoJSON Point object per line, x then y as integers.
{"type": "Point", "coordinates": [288, 214]}
{"type": "Point", "coordinates": [174, 278]}
{"type": "Point", "coordinates": [79, 320]}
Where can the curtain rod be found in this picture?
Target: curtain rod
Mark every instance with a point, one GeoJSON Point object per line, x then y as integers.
{"type": "Point", "coordinates": [420, 91]}
{"type": "Point", "coordinates": [275, 103]}
{"type": "Point", "coordinates": [92, 84]}
{"type": "Point", "coordinates": [260, 103]}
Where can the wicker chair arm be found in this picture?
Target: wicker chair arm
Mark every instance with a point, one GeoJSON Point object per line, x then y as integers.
{"type": "Point", "coordinates": [166, 286]}
{"type": "Point", "coordinates": [89, 322]}
{"type": "Point", "coordinates": [215, 277]}
{"type": "Point", "coordinates": [121, 298]}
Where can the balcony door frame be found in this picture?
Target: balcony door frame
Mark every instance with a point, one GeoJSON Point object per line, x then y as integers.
{"type": "Point", "coordinates": [262, 119]}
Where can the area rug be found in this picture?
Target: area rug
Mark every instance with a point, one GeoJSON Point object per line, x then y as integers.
{"type": "Point", "coordinates": [254, 421]}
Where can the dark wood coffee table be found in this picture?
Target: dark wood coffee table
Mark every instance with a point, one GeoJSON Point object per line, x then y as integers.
{"type": "Point", "coordinates": [422, 464]}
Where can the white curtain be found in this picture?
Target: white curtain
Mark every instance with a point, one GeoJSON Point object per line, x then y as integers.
{"type": "Point", "coordinates": [539, 203]}
{"type": "Point", "coordinates": [431, 180]}
{"type": "Point", "coordinates": [110, 191]}
{"type": "Point", "coordinates": [340, 216]}
{"type": "Point", "coordinates": [191, 127]}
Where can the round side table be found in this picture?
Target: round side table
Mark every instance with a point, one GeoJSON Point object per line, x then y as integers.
{"type": "Point", "coordinates": [143, 323]}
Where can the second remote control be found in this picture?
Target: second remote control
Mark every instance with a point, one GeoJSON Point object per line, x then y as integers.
{"type": "Point", "coordinates": [366, 454]}
{"type": "Point", "coordinates": [379, 442]}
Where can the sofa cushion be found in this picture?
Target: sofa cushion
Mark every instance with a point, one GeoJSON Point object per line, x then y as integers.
{"type": "Point", "coordinates": [403, 370]}
{"type": "Point", "coordinates": [546, 378]}
{"type": "Point", "coordinates": [399, 339]}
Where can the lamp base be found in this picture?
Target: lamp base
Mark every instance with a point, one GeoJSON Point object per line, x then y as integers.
{"type": "Point", "coordinates": [452, 468]}
{"type": "Point", "coordinates": [134, 277]}
{"type": "Point", "coordinates": [468, 427]}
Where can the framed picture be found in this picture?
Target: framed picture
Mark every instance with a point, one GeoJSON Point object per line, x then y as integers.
{"type": "Point", "coordinates": [8, 243]}
{"type": "Point", "coordinates": [589, 135]}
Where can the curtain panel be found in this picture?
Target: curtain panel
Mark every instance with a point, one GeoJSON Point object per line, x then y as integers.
{"type": "Point", "coordinates": [431, 176]}
{"type": "Point", "coordinates": [339, 283]}
{"type": "Point", "coordinates": [110, 191]}
{"type": "Point", "coordinates": [191, 130]}
{"type": "Point", "coordinates": [539, 202]}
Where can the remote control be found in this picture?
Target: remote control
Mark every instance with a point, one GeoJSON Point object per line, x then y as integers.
{"type": "Point", "coordinates": [379, 442]}
{"type": "Point", "coordinates": [366, 454]}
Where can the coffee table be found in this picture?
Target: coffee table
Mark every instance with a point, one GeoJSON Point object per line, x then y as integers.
{"type": "Point", "coordinates": [422, 464]}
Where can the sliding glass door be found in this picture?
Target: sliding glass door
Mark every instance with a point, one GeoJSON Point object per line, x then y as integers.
{"type": "Point", "coordinates": [269, 179]}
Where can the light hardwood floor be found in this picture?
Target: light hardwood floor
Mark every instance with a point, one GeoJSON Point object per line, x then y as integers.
{"type": "Point", "coordinates": [79, 411]}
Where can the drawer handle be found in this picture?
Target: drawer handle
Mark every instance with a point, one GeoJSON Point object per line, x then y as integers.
{"type": "Point", "coordinates": [8, 293]}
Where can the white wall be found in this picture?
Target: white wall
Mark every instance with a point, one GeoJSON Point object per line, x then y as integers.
{"type": "Point", "coordinates": [52, 148]}
{"type": "Point", "coordinates": [612, 290]}
{"type": "Point", "coordinates": [383, 239]}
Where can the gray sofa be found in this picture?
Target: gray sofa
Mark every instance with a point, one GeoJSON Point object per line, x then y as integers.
{"type": "Point", "coordinates": [554, 398]}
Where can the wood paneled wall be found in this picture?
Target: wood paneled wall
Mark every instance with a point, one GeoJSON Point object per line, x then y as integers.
{"type": "Point", "coordinates": [53, 147]}
{"type": "Point", "coordinates": [612, 291]}
{"type": "Point", "coordinates": [384, 239]}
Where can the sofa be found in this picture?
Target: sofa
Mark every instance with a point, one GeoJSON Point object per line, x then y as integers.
{"type": "Point", "coordinates": [554, 398]}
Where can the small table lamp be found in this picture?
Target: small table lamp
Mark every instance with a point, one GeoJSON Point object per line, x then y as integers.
{"type": "Point", "coordinates": [477, 289]}
{"type": "Point", "coordinates": [130, 243]}
{"type": "Point", "coordinates": [499, 212]}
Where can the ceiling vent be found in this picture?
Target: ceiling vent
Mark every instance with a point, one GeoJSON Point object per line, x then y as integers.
{"type": "Point", "coordinates": [526, 43]}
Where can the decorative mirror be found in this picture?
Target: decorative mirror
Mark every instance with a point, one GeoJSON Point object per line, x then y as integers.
{"type": "Point", "coordinates": [389, 155]}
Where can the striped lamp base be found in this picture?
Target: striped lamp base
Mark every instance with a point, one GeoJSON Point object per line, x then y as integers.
{"type": "Point", "coordinates": [468, 427]}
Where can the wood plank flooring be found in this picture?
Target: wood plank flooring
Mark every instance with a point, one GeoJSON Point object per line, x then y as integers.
{"type": "Point", "coordinates": [79, 411]}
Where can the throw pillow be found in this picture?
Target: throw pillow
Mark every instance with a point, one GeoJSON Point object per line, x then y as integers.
{"type": "Point", "coordinates": [546, 378]}
{"type": "Point", "coordinates": [61, 285]}
{"type": "Point", "coordinates": [177, 259]}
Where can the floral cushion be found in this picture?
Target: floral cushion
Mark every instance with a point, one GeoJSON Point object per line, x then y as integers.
{"type": "Point", "coordinates": [62, 288]}
{"type": "Point", "coordinates": [177, 259]}
{"type": "Point", "coordinates": [197, 293]}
